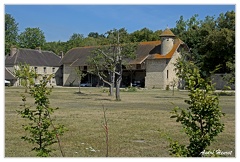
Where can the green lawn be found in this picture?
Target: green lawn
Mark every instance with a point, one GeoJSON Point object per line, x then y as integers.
{"type": "Point", "coordinates": [135, 123]}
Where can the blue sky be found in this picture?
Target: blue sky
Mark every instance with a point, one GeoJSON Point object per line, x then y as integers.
{"type": "Point", "coordinates": [59, 22]}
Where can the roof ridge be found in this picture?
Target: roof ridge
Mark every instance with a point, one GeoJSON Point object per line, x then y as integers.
{"type": "Point", "coordinates": [149, 42]}
{"type": "Point", "coordinates": [34, 50]}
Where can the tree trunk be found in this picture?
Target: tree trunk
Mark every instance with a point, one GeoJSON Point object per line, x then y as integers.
{"type": "Point", "coordinates": [118, 83]}
{"type": "Point", "coordinates": [111, 89]}
{"type": "Point", "coordinates": [112, 75]}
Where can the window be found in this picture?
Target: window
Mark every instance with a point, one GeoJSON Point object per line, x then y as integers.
{"type": "Point", "coordinates": [167, 74]}
{"type": "Point", "coordinates": [44, 69]}
{"type": "Point", "coordinates": [85, 68]}
{"type": "Point", "coordinates": [53, 79]}
{"type": "Point", "coordinates": [138, 66]}
{"type": "Point", "coordinates": [53, 70]}
{"type": "Point", "coordinates": [36, 69]}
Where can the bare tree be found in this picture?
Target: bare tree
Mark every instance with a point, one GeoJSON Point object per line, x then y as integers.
{"type": "Point", "coordinates": [111, 58]}
{"type": "Point", "coordinates": [80, 75]}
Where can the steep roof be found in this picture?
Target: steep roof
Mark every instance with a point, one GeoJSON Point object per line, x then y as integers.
{"type": "Point", "coordinates": [9, 75]}
{"type": "Point", "coordinates": [167, 33]}
{"type": "Point", "coordinates": [77, 56]}
{"type": "Point", "coordinates": [155, 54]}
{"type": "Point", "coordinates": [33, 58]}
{"type": "Point", "coordinates": [145, 50]}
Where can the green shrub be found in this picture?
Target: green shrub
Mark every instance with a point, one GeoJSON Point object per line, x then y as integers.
{"type": "Point", "coordinates": [42, 132]}
{"type": "Point", "coordinates": [201, 121]}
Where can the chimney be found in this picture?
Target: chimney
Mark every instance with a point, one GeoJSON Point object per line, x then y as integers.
{"type": "Point", "coordinates": [13, 51]}
{"type": "Point", "coordinates": [61, 54]}
{"type": "Point", "coordinates": [39, 49]}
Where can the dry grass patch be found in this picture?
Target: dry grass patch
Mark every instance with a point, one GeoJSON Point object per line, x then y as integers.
{"type": "Point", "coordinates": [135, 123]}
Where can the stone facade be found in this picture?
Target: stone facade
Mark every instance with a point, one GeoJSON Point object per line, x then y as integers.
{"type": "Point", "coordinates": [160, 72]}
{"type": "Point", "coordinates": [44, 63]}
{"type": "Point", "coordinates": [43, 71]}
{"type": "Point", "coordinates": [69, 76]}
{"type": "Point", "coordinates": [153, 66]}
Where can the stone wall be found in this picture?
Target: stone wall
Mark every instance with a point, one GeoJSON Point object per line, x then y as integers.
{"type": "Point", "coordinates": [219, 82]}
{"type": "Point", "coordinates": [171, 72]}
{"type": "Point", "coordinates": [41, 71]}
{"type": "Point", "coordinates": [160, 72]}
{"type": "Point", "coordinates": [69, 76]}
{"type": "Point", "coordinates": [155, 73]}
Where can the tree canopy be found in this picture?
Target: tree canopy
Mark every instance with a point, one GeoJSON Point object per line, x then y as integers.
{"type": "Point", "coordinates": [31, 38]}
{"type": "Point", "coordinates": [211, 40]}
{"type": "Point", "coordinates": [11, 32]}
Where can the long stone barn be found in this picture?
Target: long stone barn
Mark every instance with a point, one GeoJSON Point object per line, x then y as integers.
{"type": "Point", "coordinates": [153, 66]}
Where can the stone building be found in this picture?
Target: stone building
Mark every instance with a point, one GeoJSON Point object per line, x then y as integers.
{"type": "Point", "coordinates": [43, 62]}
{"type": "Point", "coordinates": [152, 68]}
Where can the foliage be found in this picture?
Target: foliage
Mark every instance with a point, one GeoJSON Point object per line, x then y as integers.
{"type": "Point", "coordinates": [76, 40]}
{"type": "Point", "coordinates": [212, 40]}
{"type": "Point", "coordinates": [11, 33]}
{"type": "Point", "coordinates": [26, 75]}
{"type": "Point", "coordinates": [230, 77]}
{"type": "Point", "coordinates": [41, 130]}
{"type": "Point", "coordinates": [57, 47]}
{"type": "Point", "coordinates": [143, 35]}
{"type": "Point", "coordinates": [31, 38]}
{"type": "Point", "coordinates": [201, 120]}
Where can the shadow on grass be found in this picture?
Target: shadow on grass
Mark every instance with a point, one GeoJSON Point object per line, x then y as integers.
{"type": "Point", "coordinates": [87, 94]}
{"type": "Point", "coordinates": [169, 97]}
{"type": "Point", "coordinates": [104, 99]}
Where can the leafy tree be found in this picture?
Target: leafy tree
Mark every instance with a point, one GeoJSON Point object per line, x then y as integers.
{"type": "Point", "coordinates": [76, 40]}
{"type": "Point", "coordinates": [11, 33]}
{"type": "Point", "coordinates": [42, 131]}
{"type": "Point", "coordinates": [143, 35]}
{"type": "Point", "coordinates": [212, 40]}
{"type": "Point", "coordinates": [90, 41]}
{"type": "Point", "coordinates": [96, 35]}
{"type": "Point", "coordinates": [31, 38]}
{"type": "Point", "coordinates": [230, 77]}
{"type": "Point", "coordinates": [201, 121]}
{"type": "Point", "coordinates": [56, 47]}
{"type": "Point", "coordinates": [26, 75]}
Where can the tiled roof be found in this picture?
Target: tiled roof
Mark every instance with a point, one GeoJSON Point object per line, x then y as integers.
{"type": "Point", "coordinates": [145, 50]}
{"type": "Point", "coordinates": [167, 32]}
{"type": "Point", "coordinates": [77, 56]}
{"type": "Point", "coordinates": [33, 58]}
{"type": "Point", "coordinates": [157, 55]}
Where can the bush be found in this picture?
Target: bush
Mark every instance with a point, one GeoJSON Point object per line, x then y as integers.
{"type": "Point", "coordinates": [201, 121]}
